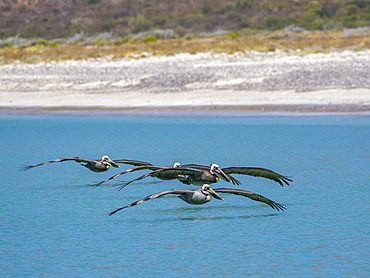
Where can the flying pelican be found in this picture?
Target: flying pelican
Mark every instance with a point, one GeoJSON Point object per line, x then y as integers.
{"type": "Point", "coordinates": [145, 167]}
{"type": "Point", "coordinates": [193, 176]}
{"type": "Point", "coordinates": [204, 195]}
{"type": "Point", "coordinates": [162, 175]}
{"type": "Point", "coordinates": [251, 171]}
{"type": "Point", "coordinates": [93, 165]}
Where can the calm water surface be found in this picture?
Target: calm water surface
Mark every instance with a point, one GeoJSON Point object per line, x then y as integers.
{"type": "Point", "coordinates": [53, 224]}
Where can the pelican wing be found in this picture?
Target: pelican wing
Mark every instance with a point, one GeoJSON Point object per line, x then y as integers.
{"type": "Point", "coordinates": [251, 195]}
{"type": "Point", "coordinates": [150, 197]}
{"type": "Point", "coordinates": [174, 171]}
{"type": "Point", "coordinates": [196, 166]}
{"type": "Point", "coordinates": [132, 162]}
{"type": "Point", "coordinates": [234, 180]}
{"type": "Point", "coordinates": [139, 178]}
{"type": "Point", "coordinates": [77, 159]}
{"type": "Point", "coordinates": [258, 172]}
{"type": "Point", "coordinates": [143, 167]}
{"type": "Point", "coordinates": [169, 172]}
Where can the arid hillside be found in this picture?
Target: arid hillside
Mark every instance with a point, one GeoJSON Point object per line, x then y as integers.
{"type": "Point", "coordinates": [65, 18]}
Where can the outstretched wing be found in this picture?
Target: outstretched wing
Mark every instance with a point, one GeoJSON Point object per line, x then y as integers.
{"type": "Point", "coordinates": [175, 171]}
{"type": "Point", "coordinates": [139, 178]}
{"type": "Point", "coordinates": [132, 162]}
{"type": "Point", "coordinates": [258, 172]}
{"type": "Point", "coordinates": [251, 195]}
{"type": "Point", "coordinates": [165, 172]}
{"type": "Point", "coordinates": [150, 197]}
{"type": "Point", "coordinates": [77, 159]}
{"type": "Point", "coordinates": [196, 166]}
{"type": "Point", "coordinates": [144, 167]}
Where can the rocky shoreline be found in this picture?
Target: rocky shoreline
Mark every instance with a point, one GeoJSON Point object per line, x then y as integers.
{"type": "Point", "coordinates": [252, 81]}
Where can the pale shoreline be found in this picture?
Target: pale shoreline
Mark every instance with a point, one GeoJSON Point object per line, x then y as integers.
{"type": "Point", "coordinates": [193, 111]}
{"type": "Point", "coordinates": [202, 84]}
{"type": "Point", "coordinates": [203, 102]}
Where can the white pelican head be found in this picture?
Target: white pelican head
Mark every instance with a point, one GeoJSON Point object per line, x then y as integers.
{"type": "Point", "coordinates": [216, 170]}
{"type": "Point", "coordinates": [207, 190]}
{"type": "Point", "coordinates": [109, 161]}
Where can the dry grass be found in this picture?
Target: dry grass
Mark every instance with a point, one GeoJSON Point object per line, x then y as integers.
{"type": "Point", "coordinates": [315, 41]}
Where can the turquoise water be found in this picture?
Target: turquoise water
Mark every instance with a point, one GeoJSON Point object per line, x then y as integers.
{"type": "Point", "coordinates": [53, 224]}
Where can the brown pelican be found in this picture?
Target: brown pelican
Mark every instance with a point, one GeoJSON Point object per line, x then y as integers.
{"type": "Point", "coordinates": [93, 165]}
{"type": "Point", "coordinates": [193, 176]}
{"type": "Point", "coordinates": [204, 195]}
{"type": "Point", "coordinates": [165, 175]}
{"type": "Point", "coordinates": [147, 167]}
{"type": "Point", "coordinates": [193, 197]}
{"type": "Point", "coordinates": [251, 171]}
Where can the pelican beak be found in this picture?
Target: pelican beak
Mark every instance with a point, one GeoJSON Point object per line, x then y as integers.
{"type": "Point", "coordinates": [114, 164]}
{"type": "Point", "coordinates": [219, 173]}
{"type": "Point", "coordinates": [214, 194]}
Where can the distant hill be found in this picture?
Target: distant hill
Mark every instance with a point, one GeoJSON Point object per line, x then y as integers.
{"type": "Point", "coordinates": [63, 18]}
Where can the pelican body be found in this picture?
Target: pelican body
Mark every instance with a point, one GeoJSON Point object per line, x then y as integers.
{"type": "Point", "coordinates": [200, 177]}
{"type": "Point", "coordinates": [192, 176]}
{"type": "Point", "coordinates": [204, 195]}
{"type": "Point", "coordinates": [97, 166]}
{"type": "Point", "coordinates": [100, 165]}
{"type": "Point", "coordinates": [193, 197]}
{"type": "Point", "coordinates": [250, 171]}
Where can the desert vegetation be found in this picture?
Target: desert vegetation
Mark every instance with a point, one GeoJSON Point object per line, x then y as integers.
{"type": "Point", "coordinates": [65, 18]}
{"type": "Point", "coordinates": [40, 31]}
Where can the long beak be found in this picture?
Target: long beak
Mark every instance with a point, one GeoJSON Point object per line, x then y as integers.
{"type": "Point", "coordinates": [114, 164]}
{"type": "Point", "coordinates": [214, 194]}
{"type": "Point", "coordinates": [219, 173]}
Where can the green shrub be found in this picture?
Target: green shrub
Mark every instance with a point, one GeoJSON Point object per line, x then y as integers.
{"type": "Point", "coordinates": [359, 3]}
{"type": "Point", "coordinates": [107, 26]}
{"type": "Point", "coordinates": [247, 32]}
{"type": "Point", "coordinates": [124, 40]}
{"type": "Point", "coordinates": [70, 30]}
{"type": "Point", "coordinates": [233, 16]}
{"type": "Point", "coordinates": [92, 2]}
{"type": "Point", "coordinates": [6, 44]}
{"type": "Point", "coordinates": [150, 39]}
{"type": "Point", "coordinates": [55, 44]}
{"type": "Point", "coordinates": [351, 10]}
{"type": "Point", "coordinates": [353, 22]}
{"type": "Point", "coordinates": [140, 24]}
{"type": "Point", "coordinates": [268, 7]}
{"type": "Point", "coordinates": [233, 35]}
{"type": "Point", "coordinates": [40, 42]}
{"type": "Point", "coordinates": [243, 24]}
{"type": "Point", "coordinates": [206, 9]}
{"type": "Point", "coordinates": [159, 21]}
{"type": "Point", "coordinates": [243, 4]}
{"type": "Point", "coordinates": [317, 24]}
{"type": "Point", "coordinates": [273, 22]}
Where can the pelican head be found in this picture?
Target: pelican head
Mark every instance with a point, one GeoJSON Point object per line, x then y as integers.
{"type": "Point", "coordinates": [216, 170]}
{"type": "Point", "coordinates": [109, 161]}
{"type": "Point", "coordinates": [207, 190]}
{"type": "Point", "coordinates": [176, 165]}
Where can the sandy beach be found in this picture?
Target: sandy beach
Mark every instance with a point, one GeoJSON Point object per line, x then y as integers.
{"type": "Point", "coordinates": [336, 82]}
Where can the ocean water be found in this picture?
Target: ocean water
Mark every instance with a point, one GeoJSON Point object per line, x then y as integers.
{"type": "Point", "coordinates": [54, 223]}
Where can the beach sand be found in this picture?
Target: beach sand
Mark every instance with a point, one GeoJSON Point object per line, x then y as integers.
{"type": "Point", "coordinates": [210, 84]}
